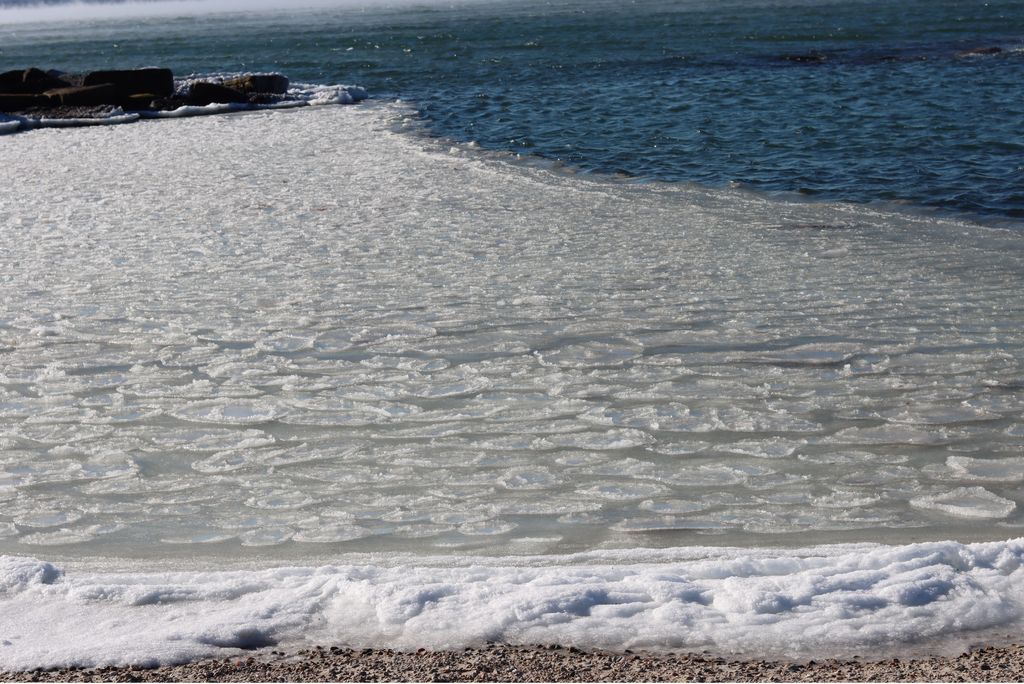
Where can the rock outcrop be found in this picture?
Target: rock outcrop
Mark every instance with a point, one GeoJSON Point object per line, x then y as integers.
{"type": "Point", "coordinates": [274, 84]}
{"type": "Point", "coordinates": [203, 93]}
{"type": "Point", "coordinates": [16, 102]}
{"type": "Point", "coordinates": [33, 97]}
{"type": "Point", "coordinates": [85, 96]}
{"type": "Point", "coordinates": [159, 82]}
{"type": "Point", "coordinates": [33, 90]}
{"type": "Point", "coordinates": [30, 82]}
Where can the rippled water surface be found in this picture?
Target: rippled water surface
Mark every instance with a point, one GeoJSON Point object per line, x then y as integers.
{"type": "Point", "coordinates": [865, 101]}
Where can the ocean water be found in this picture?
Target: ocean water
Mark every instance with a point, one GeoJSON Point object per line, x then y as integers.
{"type": "Point", "coordinates": [864, 101]}
{"type": "Point", "coordinates": [365, 374]}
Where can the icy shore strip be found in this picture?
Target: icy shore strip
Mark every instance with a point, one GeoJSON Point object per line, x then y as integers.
{"type": "Point", "coordinates": [299, 95]}
{"type": "Point", "coordinates": [824, 601]}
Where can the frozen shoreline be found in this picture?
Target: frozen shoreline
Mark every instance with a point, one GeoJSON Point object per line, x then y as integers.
{"type": "Point", "coordinates": [869, 601]}
{"type": "Point", "coordinates": [300, 95]}
{"type": "Point", "coordinates": [488, 361]}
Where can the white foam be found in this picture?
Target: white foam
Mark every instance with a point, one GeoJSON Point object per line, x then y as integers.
{"type": "Point", "coordinates": [300, 95]}
{"type": "Point", "coordinates": [867, 599]}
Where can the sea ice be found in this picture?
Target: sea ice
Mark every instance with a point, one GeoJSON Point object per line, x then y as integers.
{"type": "Point", "coordinates": [968, 502]}
{"type": "Point", "coordinates": [387, 330]}
{"type": "Point", "coordinates": [988, 469]}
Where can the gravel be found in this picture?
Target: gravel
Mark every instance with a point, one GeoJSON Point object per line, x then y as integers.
{"type": "Point", "coordinates": [496, 662]}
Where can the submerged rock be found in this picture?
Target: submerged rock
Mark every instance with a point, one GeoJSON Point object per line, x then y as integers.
{"type": "Point", "coordinates": [805, 58]}
{"type": "Point", "coordinates": [980, 51]}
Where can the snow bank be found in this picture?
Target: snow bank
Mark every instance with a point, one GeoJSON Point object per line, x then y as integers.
{"type": "Point", "coordinates": [827, 600]}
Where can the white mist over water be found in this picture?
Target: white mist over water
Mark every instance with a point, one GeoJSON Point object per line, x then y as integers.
{"type": "Point", "coordinates": [277, 337]}
{"type": "Point", "coordinates": [100, 11]}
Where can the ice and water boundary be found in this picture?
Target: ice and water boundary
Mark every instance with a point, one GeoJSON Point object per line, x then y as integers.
{"type": "Point", "coordinates": [868, 599]}
{"type": "Point", "coordinates": [311, 94]}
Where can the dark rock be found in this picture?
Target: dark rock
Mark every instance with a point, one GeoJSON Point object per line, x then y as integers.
{"type": "Point", "coordinates": [9, 80]}
{"type": "Point", "coordinates": [15, 102]}
{"type": "Point", "coordinates": [169, 104]}
{"type": "Point", "coordinates": [265, 98]}
{"type": "Point", "coordinates": [203, 93]}
{"type": "Point", "coordinates": [39, 81]}
{"type": "Point", "coordinates": [131, 82]}
{"type": "Point", "coordinates": [85, 96]}
{"type": "Point", "coordinates": [30, 81]}
{"type": "Point", "coordinates": [139, 101]}
{"type": "Point", "coordinates": [70, 79]}
{"type": "Point", "coordinates": [260, 83]}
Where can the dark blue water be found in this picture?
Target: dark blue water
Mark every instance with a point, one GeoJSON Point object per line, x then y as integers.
{"type": "Point", "coordinates": [865, 101]}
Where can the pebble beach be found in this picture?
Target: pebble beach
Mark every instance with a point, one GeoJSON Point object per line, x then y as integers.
{"type": "Point", "coordinates": [548, 664]}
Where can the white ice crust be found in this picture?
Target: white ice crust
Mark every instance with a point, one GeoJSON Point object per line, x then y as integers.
{"type": "Point", "coordinates": [867, 599]}
{"type": "Point", "coordinates": [310, 333]}
{"type": "Point", "coordinates": [313, 333]}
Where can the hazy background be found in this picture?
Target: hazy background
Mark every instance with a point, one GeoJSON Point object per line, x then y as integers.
{"type": "Point", "coordinates": [27, 11]}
